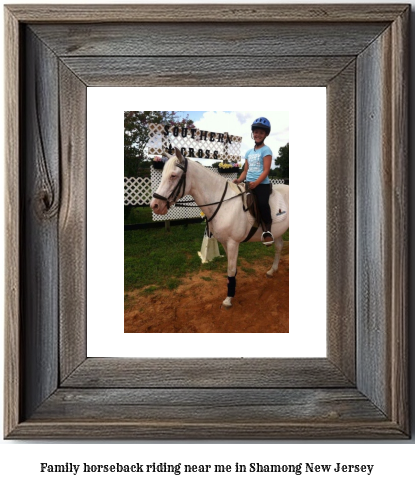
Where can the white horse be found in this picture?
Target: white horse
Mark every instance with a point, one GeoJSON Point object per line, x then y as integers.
{"type": "Point", "coordinates": [230, 224]}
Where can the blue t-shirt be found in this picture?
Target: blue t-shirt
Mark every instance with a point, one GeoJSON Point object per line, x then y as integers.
{"type": "Point", "coordinates": [255, 160]}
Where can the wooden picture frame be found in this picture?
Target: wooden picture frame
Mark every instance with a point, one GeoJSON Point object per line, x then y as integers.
{"type": "Point", "coordinates": [360, 53]}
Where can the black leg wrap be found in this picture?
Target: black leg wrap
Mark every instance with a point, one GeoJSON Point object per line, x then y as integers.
{"type": "Point", "coordinates": [231, 286]}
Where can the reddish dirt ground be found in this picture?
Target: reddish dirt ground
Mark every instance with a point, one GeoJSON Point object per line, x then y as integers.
{"type": "Point", "coordinates": [260, 304]}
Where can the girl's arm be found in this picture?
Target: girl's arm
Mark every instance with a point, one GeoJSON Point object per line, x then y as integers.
{"type": "Point", "coordinates": [243, 174]}
{"type": "Point", "coordinates": [264, 174]}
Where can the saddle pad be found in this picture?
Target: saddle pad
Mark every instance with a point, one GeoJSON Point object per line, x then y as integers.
{"type": "Point", "coordinates": [278, 206]}
{"type": "Point", "coordinates": [277, 203]}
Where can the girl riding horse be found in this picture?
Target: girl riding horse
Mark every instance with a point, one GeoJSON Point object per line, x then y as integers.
{"type": "Point", "coordinates": [256, 169]}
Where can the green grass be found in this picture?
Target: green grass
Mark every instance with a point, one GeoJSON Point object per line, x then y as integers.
{"type": "Point", "coordinates": [137, 215]}
{"type": "Point", "coordinates": [155, 259]}
{"type": "Point", "coordinates": [248, 271]}
{"type": "Point", "coordinates": [149, 290]}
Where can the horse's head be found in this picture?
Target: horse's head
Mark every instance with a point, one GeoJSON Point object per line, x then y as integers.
{"type": "Point", "coordinates": [172, 185]}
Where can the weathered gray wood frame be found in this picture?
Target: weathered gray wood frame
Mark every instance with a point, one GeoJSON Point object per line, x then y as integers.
{"type": "Point", "coordinates": [359, 52]}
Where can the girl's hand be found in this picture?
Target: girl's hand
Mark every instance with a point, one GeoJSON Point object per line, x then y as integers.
{"type": "Point", "coordinates": [252, 185]}
{"type": "Point", "coordinates": [235, 181]}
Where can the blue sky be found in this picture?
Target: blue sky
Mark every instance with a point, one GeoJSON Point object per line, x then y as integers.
{"type": "Point", "coordinates": [193, 115]}
{"type": "Point", "coordinates": [239, 124]}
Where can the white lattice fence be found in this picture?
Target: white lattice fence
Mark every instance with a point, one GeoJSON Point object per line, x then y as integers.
{"type": "Point", "coordinates": [196, 143]}
{"type": "Point", "coordinates": [137, 191]}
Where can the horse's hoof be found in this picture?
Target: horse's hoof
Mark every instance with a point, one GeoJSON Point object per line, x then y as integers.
{"type": "Point", "coordinates": [227, 303]}
{"type": "Point", "coordinates": [270, 274]}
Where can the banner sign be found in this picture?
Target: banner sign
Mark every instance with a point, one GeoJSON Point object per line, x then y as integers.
{"type": "Point", "coordinates": [194, 143]}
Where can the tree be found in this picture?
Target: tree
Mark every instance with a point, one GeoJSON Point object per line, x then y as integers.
{"type": "Point", "coordinates": [136, 136]}
{"type": "Point", "coordinates": [282, 163]}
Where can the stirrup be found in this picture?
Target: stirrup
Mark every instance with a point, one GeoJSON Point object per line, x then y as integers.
{"type": "Point", "coordinates": [266, 234]}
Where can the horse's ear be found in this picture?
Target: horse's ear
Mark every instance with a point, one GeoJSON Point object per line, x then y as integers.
{"type": "Point", "coordinates": [167, 155]}
{"type": "Point", "coordinates": [179, 155]}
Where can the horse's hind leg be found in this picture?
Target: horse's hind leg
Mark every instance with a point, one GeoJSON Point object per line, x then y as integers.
{"type": "Point", "coordinates": [278, 247]}
{"type": "Point", "coordinates": [231, 249]}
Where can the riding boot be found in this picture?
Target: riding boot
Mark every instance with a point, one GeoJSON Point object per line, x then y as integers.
{"type": "Point", "coordinates": [267, 238]}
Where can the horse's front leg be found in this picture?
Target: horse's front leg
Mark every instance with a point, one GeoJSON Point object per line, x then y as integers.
{"type": "Point", "coordinates": [231, 249]}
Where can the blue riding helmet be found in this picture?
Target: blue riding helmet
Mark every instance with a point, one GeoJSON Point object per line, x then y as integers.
{"type": "Point", "coordinates": [261, 123]}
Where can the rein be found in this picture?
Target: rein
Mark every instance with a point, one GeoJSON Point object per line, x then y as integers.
{"type": "Point", "coordinates": [182, 183]}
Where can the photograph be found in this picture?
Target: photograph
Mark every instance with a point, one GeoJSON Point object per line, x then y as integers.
{"type": "Point", "coordinates": [206, 218]}
{"type": "Point", "coordinates": [70, 267]}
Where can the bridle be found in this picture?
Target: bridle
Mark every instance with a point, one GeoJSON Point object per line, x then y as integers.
{"type": "Point", "coordinates": [174, 195]}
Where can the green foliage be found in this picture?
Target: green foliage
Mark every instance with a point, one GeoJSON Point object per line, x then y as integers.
{"type": "Point", "coordinates": [282, 163]}
{"type": "Point", "coordinates": [136, 136]}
